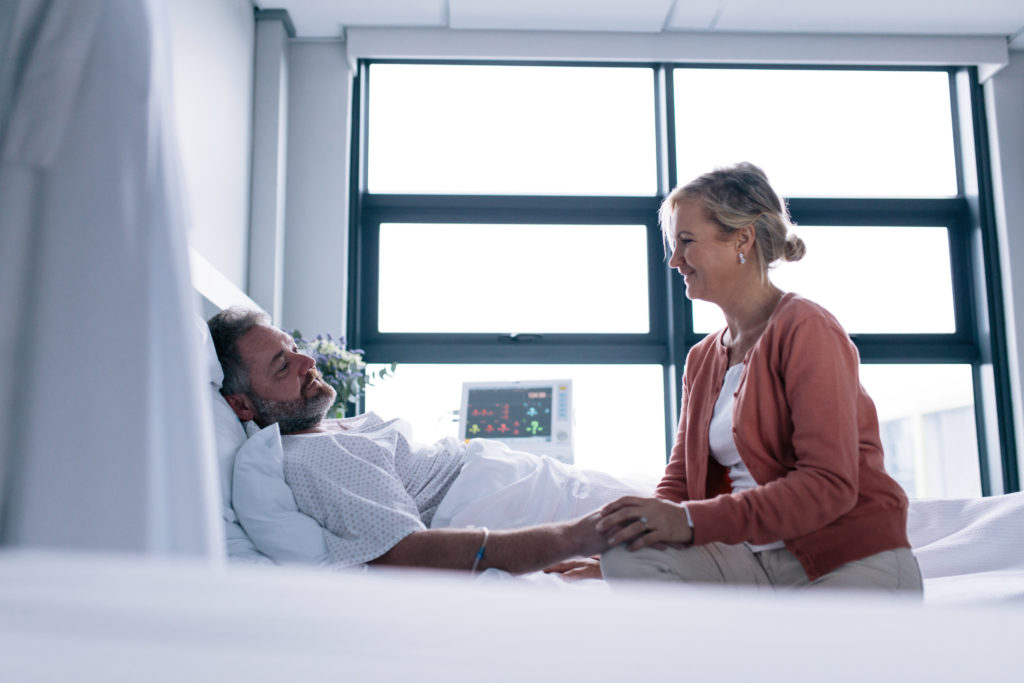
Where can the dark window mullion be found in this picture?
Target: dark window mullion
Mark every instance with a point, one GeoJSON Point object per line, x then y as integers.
{"type": "Point", "coordinates": [964, 299]}
{"type": "Point", "coordinates": [911, 349]}
{"type": "Point", "coordinates": [357, 176]}
{"type": "Point", "coordinates": [937, 212]}
{"type": "Point", "coordinates": [511, 209]}
{"type": "Point", "coordinates": [976, 168]}
{"type": "Point", "coordinates": [678, 314]}
{"type": "Point", "coordinates": [915, 348]}
{"type": "Point", "coordinates": [485, 349]}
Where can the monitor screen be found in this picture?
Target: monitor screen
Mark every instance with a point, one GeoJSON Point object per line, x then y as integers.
{"type": "Point", "coordinates": [533, 416]}
{"type": "Point", "coordinates": [509, 413]}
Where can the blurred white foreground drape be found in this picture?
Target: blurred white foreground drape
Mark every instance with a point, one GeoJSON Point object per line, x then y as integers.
{"type": "Point", "coordinates": [106, 440]}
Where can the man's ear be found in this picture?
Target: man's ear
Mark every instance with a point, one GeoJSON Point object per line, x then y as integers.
{"type": "Point", "coordinates": [242, 406]}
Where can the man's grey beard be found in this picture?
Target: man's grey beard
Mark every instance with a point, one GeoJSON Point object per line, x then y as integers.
{"type": "Point", "coordinates": [293, 416]}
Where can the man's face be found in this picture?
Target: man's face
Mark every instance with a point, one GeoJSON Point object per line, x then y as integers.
{"type": "Point", "coordinates": [285, 385]}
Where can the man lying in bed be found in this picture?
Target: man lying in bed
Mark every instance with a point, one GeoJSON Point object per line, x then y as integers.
{"type": "Point", "coordinates": [361, 478]}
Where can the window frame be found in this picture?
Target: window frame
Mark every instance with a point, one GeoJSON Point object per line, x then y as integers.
{"type": "Point", "coordinates": [979, 338]}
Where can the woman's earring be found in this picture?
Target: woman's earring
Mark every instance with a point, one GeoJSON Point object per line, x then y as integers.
{"type": "Point", "coordinates": [743, 259]}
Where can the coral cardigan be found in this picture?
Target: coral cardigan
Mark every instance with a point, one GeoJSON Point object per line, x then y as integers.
{"type": "Point", "coordinates": [808, 433]}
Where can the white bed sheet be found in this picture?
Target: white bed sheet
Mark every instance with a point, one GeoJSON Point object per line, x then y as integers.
{"type": "Point", "coordinates": [503, 488]}
{"type": "Point", "coordinates": [970, 550]}
{"type": "Point", "coordinates": [112, 619]}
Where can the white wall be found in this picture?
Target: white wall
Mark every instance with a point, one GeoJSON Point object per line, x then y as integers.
{"type": "Point", "coordinates": [1004, 102]}
{"type": "Point", "coordinates": [212, 43]}
{"type": "Point", "coordinates": [269, 164]}
{"type": "Point", "coordinates": [316, 216]}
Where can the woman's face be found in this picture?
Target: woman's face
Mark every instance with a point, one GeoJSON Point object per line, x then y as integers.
{"type": "Point", "coordinates": [707, 262]}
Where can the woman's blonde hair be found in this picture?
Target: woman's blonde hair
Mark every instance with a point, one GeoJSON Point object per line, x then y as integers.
{"type": "Point", "coordinates": [734, 197]}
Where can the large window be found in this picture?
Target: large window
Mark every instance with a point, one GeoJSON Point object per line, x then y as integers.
{"type": "Point", "coordinates": [504, 227]}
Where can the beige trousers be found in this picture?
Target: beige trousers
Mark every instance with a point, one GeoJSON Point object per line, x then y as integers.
{"type": "Point", "coordinates": [892, 570]}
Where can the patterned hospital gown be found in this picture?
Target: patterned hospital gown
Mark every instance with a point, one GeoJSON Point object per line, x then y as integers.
{"type": "Point", "coordinates": [369, 486]}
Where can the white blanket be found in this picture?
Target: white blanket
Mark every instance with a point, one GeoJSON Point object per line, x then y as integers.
{"type": "Point", "coordinates": [970, 550]}
{"type": "Point", "coordinates": [504, 489]}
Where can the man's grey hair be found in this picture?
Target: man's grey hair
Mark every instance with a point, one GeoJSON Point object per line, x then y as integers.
{"type": "Point", "coordinates": [226, 328]}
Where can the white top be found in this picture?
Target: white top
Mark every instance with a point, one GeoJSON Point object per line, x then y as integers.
{"type": "Point", "coordinates": [723, 447]}
{"type": "Point", "coordinates": [369, 485]}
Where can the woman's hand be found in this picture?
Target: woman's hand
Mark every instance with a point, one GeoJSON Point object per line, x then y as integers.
{"type": "Point", "coordinates": [644, 522]}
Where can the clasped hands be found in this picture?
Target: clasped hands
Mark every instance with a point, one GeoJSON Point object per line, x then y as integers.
{"type": "Point", "coordinates": [640, 522]}
{"type": "Point", "coordinates": [644, 522]}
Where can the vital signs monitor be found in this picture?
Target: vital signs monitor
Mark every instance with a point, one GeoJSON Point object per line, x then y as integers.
{"type": "Point", "coordinates": [531, 416]}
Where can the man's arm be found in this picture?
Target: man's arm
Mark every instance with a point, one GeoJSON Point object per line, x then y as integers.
{"type": "Point", "coordinates": [517, 551]}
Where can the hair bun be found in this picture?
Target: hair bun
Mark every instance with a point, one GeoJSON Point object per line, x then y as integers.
{"type": "Point", "coordinates": [794, 249]}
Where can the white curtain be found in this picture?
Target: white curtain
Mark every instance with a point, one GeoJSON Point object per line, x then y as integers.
{"type": "Point", "coordinates": [105, 433]}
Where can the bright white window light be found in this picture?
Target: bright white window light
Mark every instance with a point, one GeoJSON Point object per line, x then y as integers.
{"type": "Point", "coordinates": [820, 133]}
{"type": "Point", "coordinates": [874, 279]}
{"type": "Point", "coordinates": [545, 279]}
{"type": "Point", "coordinates": [487, 129]}
{"type": "Point", "coordinates": [929, 434]}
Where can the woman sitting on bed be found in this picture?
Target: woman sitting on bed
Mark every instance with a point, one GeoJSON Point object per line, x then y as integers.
{"type": "Point", "coordinates": [776, 477]}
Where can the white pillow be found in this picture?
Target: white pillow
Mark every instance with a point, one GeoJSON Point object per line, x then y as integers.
{"type": "Point", "coordinates": [229, 435]}
{"type": "Point", "coordinates": [210, 360]}
{"type": "Point", "coordinates": [265, 505]}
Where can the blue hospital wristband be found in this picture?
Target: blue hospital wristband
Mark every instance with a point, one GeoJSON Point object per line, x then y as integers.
{"type": "Point", "coordinates": [480, 553]}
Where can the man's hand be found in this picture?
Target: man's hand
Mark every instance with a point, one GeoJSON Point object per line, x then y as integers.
{"type": "Point", "coordinates": [586, 538]}
{"type": "Point", "coordinates": [517, 551]}
{"type": "Point", "coordinates": [644, 522]}
{"type": "Point", "coordinates": [576, 569]}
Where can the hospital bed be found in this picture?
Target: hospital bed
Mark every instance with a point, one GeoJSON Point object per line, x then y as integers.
{"type": "Point", "coordinates": [970, 551]}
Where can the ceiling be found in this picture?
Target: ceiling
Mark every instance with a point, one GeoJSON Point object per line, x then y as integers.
{"type": "Point", "coordinates": [329, 18]}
